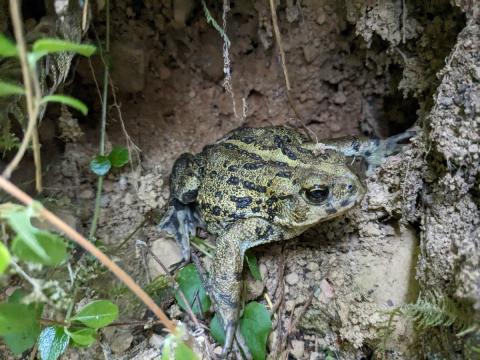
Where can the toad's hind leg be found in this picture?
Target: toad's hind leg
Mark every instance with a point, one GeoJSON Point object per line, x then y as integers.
{"type": "Point", "coordinates": [181, 219]}
{"type": "Point", "coordinates": [226, 278]}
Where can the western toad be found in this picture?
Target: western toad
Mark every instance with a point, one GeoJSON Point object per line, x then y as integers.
{"type": "Point", "coordinates": [258, 185]}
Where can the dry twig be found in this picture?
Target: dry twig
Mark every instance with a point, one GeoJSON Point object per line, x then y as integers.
{"type": "Point", "coordinates": [33, 97]}
{"type": "Point", "coordinates": [62, 227]}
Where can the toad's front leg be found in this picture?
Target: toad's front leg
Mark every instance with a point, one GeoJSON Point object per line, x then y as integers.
{"type": "Point", "coordinates": [226, 281]}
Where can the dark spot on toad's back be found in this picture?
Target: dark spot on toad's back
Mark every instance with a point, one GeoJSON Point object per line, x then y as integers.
{"type": "Point", "coordinates": [241, 201]}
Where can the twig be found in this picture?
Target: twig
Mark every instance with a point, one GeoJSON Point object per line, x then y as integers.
{"type": "Point", "coordinates": [278, 38]}
{"type": "Point", "coordinates": [31, 98]}
{"type": "Point", "coordinates": [98, 197]}
{"type": "Point", "coordinates": [172, 279]}
{"type": "Point", "coordinates": [293, 324]}
{"type": "Point", "coordinates": [92, 249]}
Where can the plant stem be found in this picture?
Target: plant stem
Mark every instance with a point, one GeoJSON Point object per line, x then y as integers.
{"type": "Point", "coordinates": [31, 98]}
{"type": "Point", "coordinates": [98, 197]}
{"type": "Point", "coordinates": [62, 227]}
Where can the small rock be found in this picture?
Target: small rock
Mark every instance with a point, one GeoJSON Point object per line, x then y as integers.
{"type": "Point", "coordinates": [128, 199]}
{"type": "Point", "coordinates": [339, 98]}
{"type": "Point", "coordinates": [164, 72]}
{"type": "Point", "coordinates": [321, 17]}
{"type": "Point", "coordinates": [312, 266]}
{"type": "Point", "coordinates": [121, 341]}
{"type": "Point", "coordinates": [290, 305]}
{"type": "Point", "coordinates": [167, 251]}
{"type": "Point", "coordinates": [315, 356]}
{"type": "Point", "coordinates": [298, 349]}
{"type": "Point", "coordinates": [218, 350]}
{"type": "Point", "coordinates": [292, 279]}
{"type": "Point", "coordinates": [156, 341]}
{"type": "Point", "coordinates": [254, 288]}
{"type": "Point", "coordinates": [309, 53]}
{"type": "Point", "coordinates": [108, 186]}
{"type": "Point", "coordinates": [86, 194]}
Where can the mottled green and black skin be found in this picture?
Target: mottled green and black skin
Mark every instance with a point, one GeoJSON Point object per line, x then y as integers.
{"type": "Point", "coordinates": [258, 185]}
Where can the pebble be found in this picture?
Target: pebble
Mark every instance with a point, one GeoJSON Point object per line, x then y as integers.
{"type": "Point", "coordinates": [298, 349]}
{"type": "Point", "coordinates": [86, 194]}
{"type": "Point", "coordinates": [292, 279]}
{"type": "Point", "coordinates": [156, 341]}
{"type": "Point", "coordinates": [121, 341]}
{"type": "Point", "coordinates": [312, 266]}
{"type": "Point", "coordinates": [339, 98]}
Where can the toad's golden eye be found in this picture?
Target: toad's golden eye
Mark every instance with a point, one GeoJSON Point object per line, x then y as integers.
{"type": "Point", "coordinates": [317, 194]}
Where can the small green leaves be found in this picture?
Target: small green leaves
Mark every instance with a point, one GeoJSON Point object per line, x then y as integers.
{"type": "Point", "coordinates": [255, 326]}
{"type": "Point", "coordinates": [97, 314]}
{"type": "Point", "coordinates": [52, 343]}
{"type": "Point", "coordinates": [15, 318]}
{"type": "Point", "coordinates": [118, 156]}
{"type": "Point", "coordinates": [4, 258]}
{"type": "Point", "coordinates": [7, 47]}
{"type": "Point", "coordinates": [18, 218]}
{"type": "Point", "coordinates": [49, 46]}
{"type": "Point", "coordinates": [7, 89]}
{"type": "Point", "coordinates": [174, 348]}
{"type": "Point", "coordinates": [253, 265]}
{"type": "Point", "coordinates": [26, 329]}
{"type": "Point", "coordinates": [217, 330]}
{"type": "Point", "coordinates": [189, 282]}
{"type": "Point", "coordinates": [67, 100]}
{"type": "Point", "coordinates": [100, 165]}
{"type": "Point", "coordinates": [52, 244]}
{"type": "Point", "coordinates": [83, 337]}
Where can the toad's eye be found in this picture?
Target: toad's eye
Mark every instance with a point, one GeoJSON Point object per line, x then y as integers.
{"type": "Point", "coordinates": [317, 194]}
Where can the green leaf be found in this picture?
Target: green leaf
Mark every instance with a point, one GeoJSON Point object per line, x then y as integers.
{"type": "Point", "coordinates": [174, 348]}
{"type": "Point", "coordinates": [19, 220]}
{"type": "Point", "coordinates": [97, 314]}
{"type": "Point", "coordinates": [189, 282]}
{"type": "Point", "coordinates": [52, 343]}
{"type": "Point", "coordinates": [100, 165]}
{"type": "Point", "coordinates": [217, 330]}
{"type": "Point", "coordinates": [48, 46]}
{"type": "Point", "coordinates": [4, 258]}
{"type": "Point", "coordinates": [24, 339]}
{"type": "Point", "coordinates": [15, 318]}
{"type": "Point", "coordinates": [83, 337]}
{"type": "Point", "coordinates": [53, 244]}
{"type": "Point", "coordinates": [7, 89]}
{"type": "Point", "coordinates": [255, 325]}
{"type": "Point", "coordinates": [184, 352]}
{"type": "Point", "coordinates": [253, 265]}
{"type": "Point", "coordinates": [67, 100]}
{"type": "Point", "coordinates": [7, 47]}
{"type": "Point", "coordinates": [118, 156]}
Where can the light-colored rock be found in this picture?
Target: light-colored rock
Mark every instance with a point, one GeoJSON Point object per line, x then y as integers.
{"type": "Point", "coordinates": [156, 341]}
{"type": "Point", "coordinates": [298, 349]}
{"type": "Point", "coordinates": [86, 194]}
{"type": "Point", "coordinates": [167, 251]}
{"type": "Point", "coordinates": [121, 341]}
{"type": "Point", "coordinates": [292, 279]}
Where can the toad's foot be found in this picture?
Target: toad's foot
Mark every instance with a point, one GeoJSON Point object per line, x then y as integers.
{"type": "Point", "coordinates": [181, 221]}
